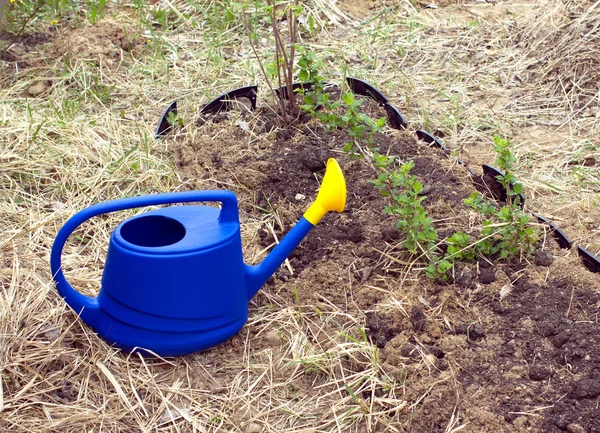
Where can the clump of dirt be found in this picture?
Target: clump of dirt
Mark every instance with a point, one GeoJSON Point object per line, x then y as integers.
{"type": "Point", "coordinates": [358, 8]}
{"type": "Point", "coordinates": [105, 39]}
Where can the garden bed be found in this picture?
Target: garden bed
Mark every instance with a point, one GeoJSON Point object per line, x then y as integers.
{"type": "Point", "coordinates": [509, 343]}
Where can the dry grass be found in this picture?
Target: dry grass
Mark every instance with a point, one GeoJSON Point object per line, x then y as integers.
{"type": "Point", "coordinates": [453, 70]}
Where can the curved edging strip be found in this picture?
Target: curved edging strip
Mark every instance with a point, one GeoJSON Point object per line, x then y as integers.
{"type": "Point", "coordinates": [394, 117]}
{"type": "Point", "coordinates": [431, 139]}
{"type": "Point", "coordinates": [223, 102]}
{"type": "Point", "coordinates": [493, 172]}
{"type": "Point", "coordinates": [589, 260]}
{"type": "Point", "coordinates": [469, 169]}
{"type": "Point", "coordinates": [561, 238]}
{"type": "Point", "coordinates": [396, 121]}
{"type": "Point", "coordinates": [163, 125]}
{"type": "Point", "coordinates": [363, 88]}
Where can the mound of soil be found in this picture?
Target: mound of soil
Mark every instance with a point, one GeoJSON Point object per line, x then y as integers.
{"type": "Point", "coordinates": [504, 347]}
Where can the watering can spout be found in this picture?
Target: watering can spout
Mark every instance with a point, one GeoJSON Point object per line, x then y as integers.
{"type": "Point", "coordinates": [331, 197]}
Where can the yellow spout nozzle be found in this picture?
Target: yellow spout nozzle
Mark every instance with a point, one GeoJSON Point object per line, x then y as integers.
{"type": "Point", "coordinates": [331, 196]}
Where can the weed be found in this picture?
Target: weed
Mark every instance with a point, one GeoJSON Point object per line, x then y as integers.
{"type": "Point", "coordinates": [459, 248]}
{"type": "Point", "coordinates": [174, 119]}
{"type": "Point", "coordinates": [17, 16]}
{"type": "Point", "coordinates": [100, 91]}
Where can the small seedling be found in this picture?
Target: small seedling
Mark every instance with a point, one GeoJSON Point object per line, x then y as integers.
{"type": "Point", "coordinates": [344, 113]}
{"type": "Point", "coordinates": [506, 231]}
{"type": "Point", "coordinates": [405, 192]}
{"type": "Point", "coordinates": [174, 119]}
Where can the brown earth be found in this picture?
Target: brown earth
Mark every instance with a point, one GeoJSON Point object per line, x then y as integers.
{"type": "Point", "coordinates": [505, 347]}
{"type": "Point", "coordinates": [102, 44]}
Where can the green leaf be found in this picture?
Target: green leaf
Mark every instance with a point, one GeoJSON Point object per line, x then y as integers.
{"type": "Point", "coordinates": [302, 75]}
{"type": "Point", "coordinates": [517, 188]}
{"type": "Point", "coordinates": [348, 98]}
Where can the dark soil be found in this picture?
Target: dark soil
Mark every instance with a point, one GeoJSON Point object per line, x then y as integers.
{"type": "Point", "coordinates": [548, 357]}
{"type": "Point", "coordinates": [527, 362]}
{"type": "Point", "coordinates": [298, 163]}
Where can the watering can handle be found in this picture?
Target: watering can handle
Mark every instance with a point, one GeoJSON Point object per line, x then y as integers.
{"type": "Point", "coordinates": [87, 307]}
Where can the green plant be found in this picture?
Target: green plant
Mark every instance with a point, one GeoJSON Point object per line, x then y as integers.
{"type": "Point", "coordinates": [507, 230]}
{"type": "Point", "coordinates": [505, 160]}
{"type": "Point", "coordinates": [459, 248]}
{"type": "Point", "coordinates": [342, 113]}
{"type": "Point", "coordinates": [100, 91]}
{"type": "Point", "coordinates": [174, 119]}
{"type": "Point", "coordinates": [16, 15]}
{"type": "Point", "coordinates": [405, 192]}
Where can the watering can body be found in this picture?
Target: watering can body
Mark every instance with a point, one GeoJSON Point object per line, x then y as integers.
{"type": "Point", "coordinates": [174, 279]}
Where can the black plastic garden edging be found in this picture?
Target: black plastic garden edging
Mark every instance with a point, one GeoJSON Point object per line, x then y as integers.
{"type": "Point", "coordinates": [561, 238]}
{"type": "Point", "coordinates": [430, 139]}
{"type": "Point", "coordinates": [223, 102]}
{"type": "Point", "coordinates": [363, 88]}
{"type": "Point", "coordinates": [589, 260]}
{"type": "Point", "coordinates": [394, 117]}
{"type": "Point", "coordinates": [163, 125]}
{"type": "Point", "coordinates": [493, 172]}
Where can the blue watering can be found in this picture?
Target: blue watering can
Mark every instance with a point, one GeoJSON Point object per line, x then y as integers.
{"type": "Point", "coordinates": [174, 280]}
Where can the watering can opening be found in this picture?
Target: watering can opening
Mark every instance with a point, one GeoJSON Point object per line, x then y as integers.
{"type": "Point", "coordinates": [153, 231]}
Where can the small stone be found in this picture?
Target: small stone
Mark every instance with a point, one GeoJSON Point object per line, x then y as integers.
{"type": "Point", "coordinates": [471, 330]}
{"type": "Point", "coordinates": [543, 258]}
{"type": "Point", "coordinates": [487, 275]}
{"type": "Point", "coordinates": [273, 339]}
{"type": "Point", "coordinates": [539, 373]}
{"type": "Point", "coordinates": [418, 318]}
{"type": "Point", "coordinates": [575, 428]}
{"type": "Point", "coordinates": [300, 197]}
{"type": "Point", "coordinates": [365, 274]}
